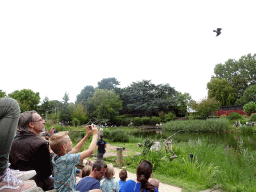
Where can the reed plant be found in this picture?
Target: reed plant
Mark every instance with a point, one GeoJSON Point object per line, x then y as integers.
{"type": "Point", "coordinates": [208, 125]}
{"type": "Point", "coordinates": [227, 168]}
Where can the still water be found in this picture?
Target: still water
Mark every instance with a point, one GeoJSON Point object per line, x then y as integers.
{"type": "Point", "coordinates": [230, 139]}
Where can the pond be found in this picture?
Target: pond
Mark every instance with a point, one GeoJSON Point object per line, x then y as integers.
{"type": "Point", "coordinates": [230, 139]}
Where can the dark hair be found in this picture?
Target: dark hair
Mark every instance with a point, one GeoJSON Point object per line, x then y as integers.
{"type": "Point", "coordinates": [98, 164]}
{"type": "Point", "coordinates": [144, 171]}
{"type": "Point", "coordinates": [123, 175]}
{"type": "Point", "coordinates": [25, 119]}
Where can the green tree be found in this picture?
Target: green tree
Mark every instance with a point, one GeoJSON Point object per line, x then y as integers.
{"type": "Point", "coordinates": [2, 93]}
{"type": "Point", "coordinates": [108, 83]}
{"type": "Point", "coordinates": [221, 91]}
{"type": "Point", "coordinates": [240, 74]}
{"type": "Point", "coordinates": [105, 104]}
{"type": "Point", "coordinates": [79, 114]}
{"type": "Point", "coordinates": [205, 106]}
{"type": "Point", "coordinates": [45, 107]}
{"type": "Point", "coordinates": [147, 99]}
{"type": "Point", "coordinates": [65, 112]}
{"type": "Point", "coordinates": [249, 95]}
{"type": "Point", "coordinates": [250, 108]}
{"type": "Point", "coordinates": [182, 103]}
{"type": "Point", "coordinates": [27, 99]}
{"type": "Point", "coordinates": [85, 94]}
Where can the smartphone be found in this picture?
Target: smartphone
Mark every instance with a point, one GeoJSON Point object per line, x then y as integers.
{"type": "Point", "coordinates": [90, 127]}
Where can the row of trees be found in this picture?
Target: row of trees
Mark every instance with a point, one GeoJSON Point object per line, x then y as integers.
{"type": "Point", "coordinates": [107, 102]}
{"type": "Point", "coordinates": [234, 83]}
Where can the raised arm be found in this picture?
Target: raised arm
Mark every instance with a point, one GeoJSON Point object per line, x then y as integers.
{"type": "Point", "coordinates": [92, 146]}
{"type": "Point", "coordinates": [79, 145]}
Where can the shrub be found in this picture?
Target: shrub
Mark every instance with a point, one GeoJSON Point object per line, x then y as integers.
{"type": "Point", "coordinates": [234, 116]}
{"type": "Point", "coordinates": [47, 126]}
{"type": "Point", "coordinates": [137, 121]}
{"type": "Point", "coordinates": [170, 116]}
{"type": "Point", "coordinates": [145, 120]}
{"type": "Point", "coordinates": [118, 136]}
{"type": "Point", "coordinates": [75, 122]}
{"type": "Point", "coordinates": [250, 107]}
{"type": "Point", "coordinates": [253, 117]}
{"type": "Point", "coordinates": [154, 120]}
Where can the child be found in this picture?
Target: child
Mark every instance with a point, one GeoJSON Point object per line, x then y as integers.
{"type": "Point", "coordinates": [108, 183]}
{"type": "Point", "coordinates": [86, 171]}
{"type": "Point", "coordinates": [123, 177]}
{"type": "Point", "coordinates": [66, 158]}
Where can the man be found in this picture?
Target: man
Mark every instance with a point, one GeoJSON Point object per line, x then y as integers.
{"type": "Point", "coordinates": [30, 152]}
{"type": "Point", "coordinates": [92, 182]}
{"type": "Point", "coordinates": [101, 145]}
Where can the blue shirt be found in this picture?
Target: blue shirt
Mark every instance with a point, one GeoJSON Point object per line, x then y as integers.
{"type": "Point", "coordinates": [64, 171]}
{"type": "Point", "coordinates": [109, 185]}
{"type": "Point", "coordinates": [121, 183]}
{"type": "Point", "coordinates": [132, 186]}
{"type": "Point", "coordinates": [87, 183]}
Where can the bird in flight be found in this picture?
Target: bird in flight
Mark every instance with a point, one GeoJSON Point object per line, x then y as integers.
{"type": "Point", "coordinates": [218, 31]}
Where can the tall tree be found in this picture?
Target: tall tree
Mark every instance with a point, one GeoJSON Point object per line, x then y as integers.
{"type": "Point", "coordinates": [108, 83]}
{"type": "Point", "coordinates": [240, 74]}
{"type": "Point", "coordinates": [27, 99]}
{"type": "Point", "coordinates": [86, 93]}
{"type": "Point", "coordinates": [249, 95]}
{"type": "Point", "coordinates": [105, 104]}
{"type": "Point", "coordinates": [65, 112]}
{"type": "Point", "coordinates": [2, 93]}
{"type": "Point", "coordinates": [221, 91]}
{"type": "Point", "coordinates": [80, 114]}
{"type": "Point", "coordinates": [145, 98]}
{"type": "Point", "coordinates": [45, 107]}
{"type": "Point", "coordinates": [205, 106]}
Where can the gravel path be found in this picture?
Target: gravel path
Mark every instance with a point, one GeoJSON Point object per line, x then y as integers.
{"type": "Point", "coordinates": [162, 186]}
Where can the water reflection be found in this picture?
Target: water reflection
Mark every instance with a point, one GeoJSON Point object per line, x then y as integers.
{"type": "Point", "coordinates": [231, 139]}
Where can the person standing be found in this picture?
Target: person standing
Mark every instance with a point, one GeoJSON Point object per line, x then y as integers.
{"type": "Point", "coordinates": [30, 152]}
{"type": "Point", "coordinates": [101, 145]}
{"type": "Point", "coordinates": [10, 180]}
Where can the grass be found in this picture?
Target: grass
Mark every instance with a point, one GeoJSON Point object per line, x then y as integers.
{"type": "Point", "coordinates": [229, 169]}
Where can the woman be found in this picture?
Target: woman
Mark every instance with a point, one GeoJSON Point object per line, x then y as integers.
{"type": "Point", "coordinates": [144, 171]}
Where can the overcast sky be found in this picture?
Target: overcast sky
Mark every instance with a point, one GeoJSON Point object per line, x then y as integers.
{"type": "Point", "coordinates": [53, 46]}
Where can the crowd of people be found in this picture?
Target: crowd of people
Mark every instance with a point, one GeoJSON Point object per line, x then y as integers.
{"type": "Point", "coordinates": [28, 161]}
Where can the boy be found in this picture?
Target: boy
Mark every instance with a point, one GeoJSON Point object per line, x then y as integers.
{"type": "Point", "coordinates": [109, 183]}
{"type": "Point", "coordinates": [66, 158]}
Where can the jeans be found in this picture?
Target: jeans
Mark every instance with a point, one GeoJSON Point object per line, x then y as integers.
{"type": "Point", "coordinates": [9, 117]}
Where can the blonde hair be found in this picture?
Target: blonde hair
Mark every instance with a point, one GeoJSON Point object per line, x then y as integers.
{"type": "Point", "coordinates": [57, 141]}
{"type": "Point", "coordinates": [109, 172]}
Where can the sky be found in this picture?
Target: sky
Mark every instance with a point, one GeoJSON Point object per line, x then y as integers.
{"type": "Point", "coordinates": [54, 46]}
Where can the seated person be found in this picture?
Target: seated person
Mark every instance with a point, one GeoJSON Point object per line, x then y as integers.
{"type": "Point", "coordinates": [93, 180]}
{"type": "Point", "coordinates": [65, 158]}
{"type": "Point", "coordinates": [123, 177]}
{"type": "Point", "coordinates": [86, 171]}
{"type": "Point", "coordinates": [109, 183]}
{"type": "Point", "coordinates": [144, 171]}
{"type": "Point", "coordinates": [30, 152]}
